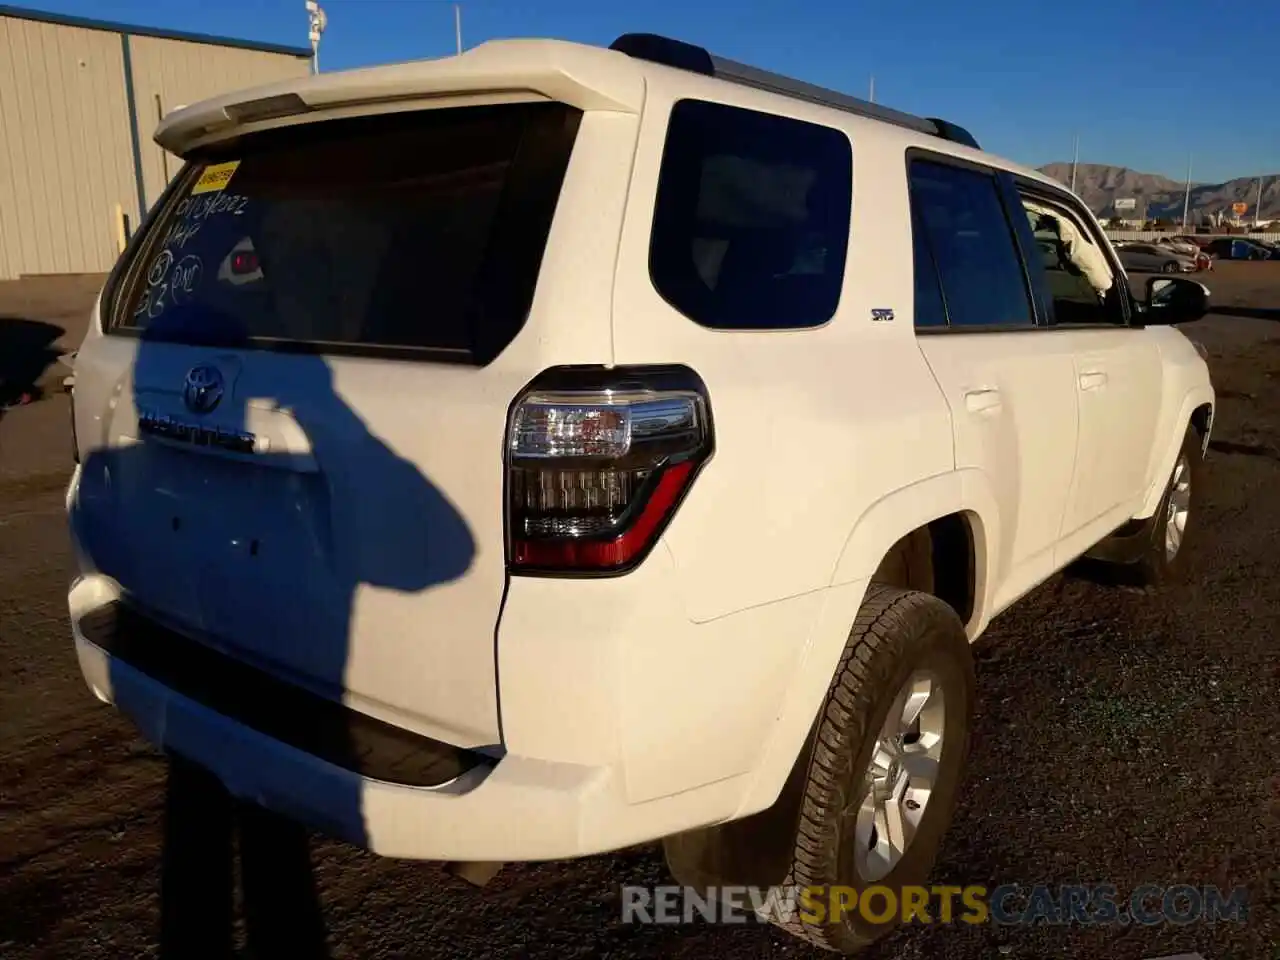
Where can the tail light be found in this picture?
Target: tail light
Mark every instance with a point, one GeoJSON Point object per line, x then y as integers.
{"type": "Point", "coordinates": [597, 463]}
{"type": "Point", "coordinates": [244, 261]}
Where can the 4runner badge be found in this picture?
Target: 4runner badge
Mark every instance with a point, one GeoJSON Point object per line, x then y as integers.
{"type": "Point", "coordinates": [882, 313]}
{"type": "Point", "coordinates": [203, 388]}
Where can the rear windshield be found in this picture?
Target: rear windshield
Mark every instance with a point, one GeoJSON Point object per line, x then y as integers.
{"type": "Point", "coordinates": [418, 232]}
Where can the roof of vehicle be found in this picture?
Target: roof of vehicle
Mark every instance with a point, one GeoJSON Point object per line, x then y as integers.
{"type": "Point", "coordinates": [581, 75]}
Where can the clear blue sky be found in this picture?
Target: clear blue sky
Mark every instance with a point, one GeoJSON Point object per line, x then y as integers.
{"type": "Point", "coordinates": [1143, 82]}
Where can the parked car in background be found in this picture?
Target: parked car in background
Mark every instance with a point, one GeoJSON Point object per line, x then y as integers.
{"type": "Point", "coordinates": [1178, 245]}
{"type": "Point", "coordinates": [1189, 247]}
{"type": "Point", "coordinates": [1237, 248]}
{"type": "Point", "coordinates": [1154, 258]}
{"type": "Point", "coordinates": [1265, 248]}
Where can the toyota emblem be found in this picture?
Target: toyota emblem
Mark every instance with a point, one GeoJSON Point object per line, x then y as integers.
{"type": "Point", "coordinates": [203, 388]}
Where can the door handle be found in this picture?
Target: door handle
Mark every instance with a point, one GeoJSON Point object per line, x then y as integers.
{"type": "Point", "coordinates": [982, 400]}
{"type": "Point", "coordinates": [1093, 380]}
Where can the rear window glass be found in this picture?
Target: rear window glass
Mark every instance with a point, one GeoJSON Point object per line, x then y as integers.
{"type": "Point", "coordinates": [420, 231]}
{"type": "Point", "coordinates": [751, 224]}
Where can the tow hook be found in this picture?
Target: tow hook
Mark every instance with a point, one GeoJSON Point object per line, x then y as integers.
{"type": "Point", "coordinates": [476, 872]}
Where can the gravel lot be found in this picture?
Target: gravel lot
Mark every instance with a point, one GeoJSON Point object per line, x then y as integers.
{"type": "Point", "coordinates": [1121, 739]}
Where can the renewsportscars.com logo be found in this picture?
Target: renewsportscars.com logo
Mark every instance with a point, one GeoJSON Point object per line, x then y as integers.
{"type": "Point", "coordinates": [1009, 904]}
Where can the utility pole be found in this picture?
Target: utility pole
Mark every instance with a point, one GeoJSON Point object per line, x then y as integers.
{"type": "Point", "coordinates": [457, 25]}
{"type": "Point", "coordinates": [318, 21]}
{"type": "Point", "coordinates": [1075, 160]}
{"type": "Point", "coordinates": [871, 97]}
{"type": "Point", "coordinates": [1186, 199]}
{"type": "Point", "coordinates": [1257, 207]}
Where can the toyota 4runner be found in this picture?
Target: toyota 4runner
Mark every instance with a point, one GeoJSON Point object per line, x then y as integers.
{"type": "Point", "coordinates": [548, 449]}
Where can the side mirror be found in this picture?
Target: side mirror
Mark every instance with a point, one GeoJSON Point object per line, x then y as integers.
{"type": "Point", "coordinates": [1175, 300]}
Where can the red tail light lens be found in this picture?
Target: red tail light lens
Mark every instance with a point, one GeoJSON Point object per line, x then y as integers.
{"type": "Point", "coordinates": [246, 261]}
{"type": "Point", "coordinates": [596, 472]}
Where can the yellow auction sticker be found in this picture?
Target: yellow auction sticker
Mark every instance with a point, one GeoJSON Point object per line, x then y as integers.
{"type": "Point", "coordinates": [216, 176]}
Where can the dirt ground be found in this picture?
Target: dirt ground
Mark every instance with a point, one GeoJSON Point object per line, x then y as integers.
{"type": "Point", "coordinates": [1121, 738]}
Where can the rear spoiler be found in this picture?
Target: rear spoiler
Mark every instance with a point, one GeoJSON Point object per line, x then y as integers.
{"type": "Point", "coordinates": [589, 78]}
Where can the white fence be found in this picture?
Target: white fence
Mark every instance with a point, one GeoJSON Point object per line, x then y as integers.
{"type": "Point", "coordinates": [1149, 235]}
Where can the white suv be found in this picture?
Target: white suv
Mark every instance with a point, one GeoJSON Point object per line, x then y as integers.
{"type": "Point", "coordinates": [535, 452]}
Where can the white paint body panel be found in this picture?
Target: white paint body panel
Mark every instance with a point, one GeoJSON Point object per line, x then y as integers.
{"type": "Point", "coordinates": [1118, 385]}
{"type": "Point", "coordinates": [678, 695]}
{"type": "Point", "coordinates": [1013, 405]}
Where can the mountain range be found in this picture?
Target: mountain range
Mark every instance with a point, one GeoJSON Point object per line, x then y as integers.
{"type": "Point", "coordinates": [1100, 185]}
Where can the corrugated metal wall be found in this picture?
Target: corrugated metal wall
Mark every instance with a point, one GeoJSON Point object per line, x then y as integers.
{"type": "Point", "coordinates": [65, 154]}
{"type": "Point", "coordinates": [179, 73]}
{"type": "Point", "coordinates": [66, 141]}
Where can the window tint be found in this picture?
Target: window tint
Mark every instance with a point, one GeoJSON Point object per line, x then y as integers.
{"type": "Point", "coordinates": [930, 311]}
{"type": "Point", "coordinates": [751, 224]}
{"type": "Point", "coordinates": [1077, 273]}
{"type": "Point", "coordinates": [972, 242]}
{"type": "Point", "coordinates": [414, 230]}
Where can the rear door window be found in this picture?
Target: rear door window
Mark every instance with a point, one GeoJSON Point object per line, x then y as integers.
{"type": "Point", "coordinates": [751, 225]}
{"type": "Point", "coordinates": [973, 245]}
{"type": "Point", "coordinates": [930, 310]}
{"type": "Point", "coordinates": [415, 232]}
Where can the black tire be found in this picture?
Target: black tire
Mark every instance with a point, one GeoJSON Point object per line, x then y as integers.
{"type": "Point", "coordinates": [1157, 565]}
{"type": "Point", "coordinates": [896, 633]}
{"type": "Point", "coordinates": [1172, 267]}
{"type": "Point", "coordinates": [1139, 559]}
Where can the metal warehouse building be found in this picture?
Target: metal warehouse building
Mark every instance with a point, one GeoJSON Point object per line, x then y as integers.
{"type": "Point", "coordinates": [79, 101]}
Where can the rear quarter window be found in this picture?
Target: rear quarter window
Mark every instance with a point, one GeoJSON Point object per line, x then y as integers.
{"type": "Point", "coordinates": [415, 233]}
{"type": "Point", "coordinates": [751, 222]}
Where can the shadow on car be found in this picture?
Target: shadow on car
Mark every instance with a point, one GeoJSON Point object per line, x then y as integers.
{"type": "Point", "coordinates": [410, 539]}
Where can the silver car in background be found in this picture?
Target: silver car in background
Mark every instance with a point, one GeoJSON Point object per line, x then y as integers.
{"type": "Point", "coordinates": [1184, 247]}
{"type": "Point", "coordinates": [1149, 258]}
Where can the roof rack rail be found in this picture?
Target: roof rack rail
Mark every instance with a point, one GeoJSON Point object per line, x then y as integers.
{"type": "Point", "coordinates": [687, 56]}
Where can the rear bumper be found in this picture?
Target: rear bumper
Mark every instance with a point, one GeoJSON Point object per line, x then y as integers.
{"type": "Point", "coordinates": [623, 721]}
{"type": "Point", "coordinates": [515, 809]}
{"type": "Point", "coordinates": [283, 711]}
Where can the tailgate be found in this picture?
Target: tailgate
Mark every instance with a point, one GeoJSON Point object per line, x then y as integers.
{"type": "Point", "coordinates": [294, 441]}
